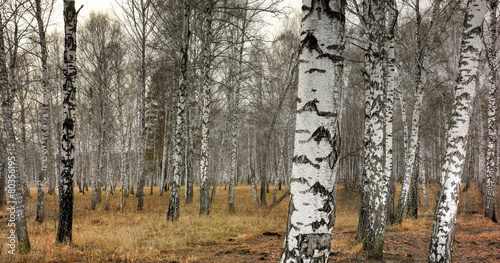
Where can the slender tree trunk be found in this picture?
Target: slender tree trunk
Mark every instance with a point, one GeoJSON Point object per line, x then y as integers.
{"type": "Point", "coordinates": [14, 181]}
{"type": "Point", "coordinates": [279, 171]}
{"type": "Point", "coordinates": [311, 215]}
{"type": "Point", "coordinates": [205, 120]}
{"type": "Point", "coordinates": [415, 125]}
{"type": "Point", "coordinates": [142, 140]}
{"type": "Point", "coordinates": [24, 163]}
{"type": "Point", "coordinates": [108, 180]}
{"type": "Point", "coordinates": [40, 207]}
{"type": "Point", "coordinates": [489, 200]}
{"type": "Point", "coordinates": [413, 204]}
{"type": "Point", "coordinates": [64, 230]}
{"type": "Point", "coordinates": [423, 175]}
{"type": "Point", "coordinates": [3, 166]}
{"type": "Point", "coordinates": [165, 153]}
{"type": "Point", "coordinates": [188, 161]}
{"type": "Point", "coordinates": [220, 162]}
{"type": "Point", "coordinates": [173, 205]}
{"type": "Point", "coordinates": [443, 229]}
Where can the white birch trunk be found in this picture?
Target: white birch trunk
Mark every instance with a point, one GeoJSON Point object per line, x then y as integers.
{"type": "Point", "coordinates": [311, 215]}
{"type": "Point", "coordinates": [374, 168]}
{"type": "Point", "coordinates": [443, 230]}
{"type": "Point", "coordinates": [165, 152]}
{"type": "Point", "coordinates": [13, 178]}
{"type": "Point", "coordinates": [40, 214]}
{"type": "Point", "coordinates": [64, 230]}
{"type": "Point", "coordinates": [489, 200]}
{"type": "Point", "coordinates": [415, 125]}
{"type": "Point", "coordinates": [173, 206]}
{"type": "Point", "coordinates": [205, 120]}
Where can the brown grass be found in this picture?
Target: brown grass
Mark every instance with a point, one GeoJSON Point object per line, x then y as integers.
{"type": "Point", "coordinates": [113, 236]}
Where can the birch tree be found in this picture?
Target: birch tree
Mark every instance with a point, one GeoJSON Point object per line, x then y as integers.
{"type": "Point", "coordinates": [45, 114]}
{"type": "Point", "coordinates": [139, 27]}
{"type": "Point", "coordinates": [376, 179]}
{"type": "Point", "coordinates": [173, 205]}
{"type": "Point", "coordinates": [64, 230]}
{"type": "Point", "coordinates": [443, 229]}
{"type": "Point", "coordinates": [13, 177]}
{"type": "Point", "coordinates": [422, 68]}
{"type": "Point", "coordinates": [311, 214]}
{"type": "Point", "coordinates": [205, 132]}
{"type": "Point", "coordinates": [489, 199]}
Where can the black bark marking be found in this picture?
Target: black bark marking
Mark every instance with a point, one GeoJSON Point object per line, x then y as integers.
{"type": "Point", "coordinates": [317, 224]}
{"type": "Point", "coordinates": [336, 47]}
{"type": "Point", "coordinates": [303, 159]}
{"type": "Point", "coordinates": [334, 58]}
{"type": "Point", "coordinates": [301, 180]}
{"type": "Point", "coordinates": [320, 134]}
{"type": "Point", "coordinates": [318, 188]}
{"type": "Point", "coordinates": [323, 7]}
{"type": "Point", "coordinates": [311, 106]}
{"type": "Point", "coordinates": [326, 208]}
{"type": "Point", "coordinates": [311, 43]}
{"type": "Point", "coordinates": [312, 70]}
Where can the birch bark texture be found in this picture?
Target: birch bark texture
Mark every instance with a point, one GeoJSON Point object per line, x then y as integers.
{"type": "Point", "coordinates": [13, 176]}
{"type": "Point", "coordinates": [415, 124]}
{"type": "Point", "coordinates": [45, 115]}
{"type": "Point", "coordinates": [443, 229]}
{"type": "Point", "coordinates": [64, 229]}
{"type": "Point", "coordinates": [205, 121]}
{"type": "Point", "coordinates": [376, 188]}
{"type": "Point", "coordinates": [311, 212]}
{"type": "Point", "coordinates": [173, 205]}
{"type": "Point", "coordinates": [489, 200]}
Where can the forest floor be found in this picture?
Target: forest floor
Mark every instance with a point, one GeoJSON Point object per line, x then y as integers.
{"type": "Point", "coordinates": [252, 234]}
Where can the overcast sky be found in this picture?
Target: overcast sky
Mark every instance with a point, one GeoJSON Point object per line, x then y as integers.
{"type": "Point", "coordinates": [89, 5]}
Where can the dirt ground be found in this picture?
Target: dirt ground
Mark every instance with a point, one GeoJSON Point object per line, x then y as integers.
{"type": "Point", "coordinates": [252, 235]}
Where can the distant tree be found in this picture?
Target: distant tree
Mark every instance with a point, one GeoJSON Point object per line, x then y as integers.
{"type": "Point", "coordinates": [443, 229]}
{"type": "Point", "coordinates": [311, 215]}
{"type": "Point", "coordinates": [139, 26]}
{"type": "Point", "coordinates": [422, 67]}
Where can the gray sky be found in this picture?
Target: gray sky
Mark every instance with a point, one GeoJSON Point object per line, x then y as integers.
{"type": "Point", "coordinates": [89, 5]}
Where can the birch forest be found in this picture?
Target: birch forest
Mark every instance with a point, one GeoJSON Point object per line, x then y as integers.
{"type": "Point", "coordinates": [292, 131]}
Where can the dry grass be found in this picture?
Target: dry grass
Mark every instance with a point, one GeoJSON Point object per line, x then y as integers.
{"type": "Point", "coordinates": [146, 234]}
{"type": "Point", "coordinates": [103, 236]}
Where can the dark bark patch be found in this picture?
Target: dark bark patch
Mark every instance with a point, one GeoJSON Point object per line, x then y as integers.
{"type": "Point", "coordinates": [334, 58]}
{"type": "Point", "coordinates": [312, 70]}
{"type": "Point", "coordinates": [317, 224]}
{"type": "Point", "coordinates": [326, 208]}
{"type": "Point", "coordinates": [301, 180]}
{"type": "Point", "coordinates": [318, 188]}
{"type": "Point", "coordinates": [336, 47]}
{"type": "Point", "coordinates": [311, 43]}
{"type": "Point", "coordinates": [308, 243]}
{"type": "Point", "coordinates": [320, 134]}
{"type": "Point", "coordinates": [303, 159]}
